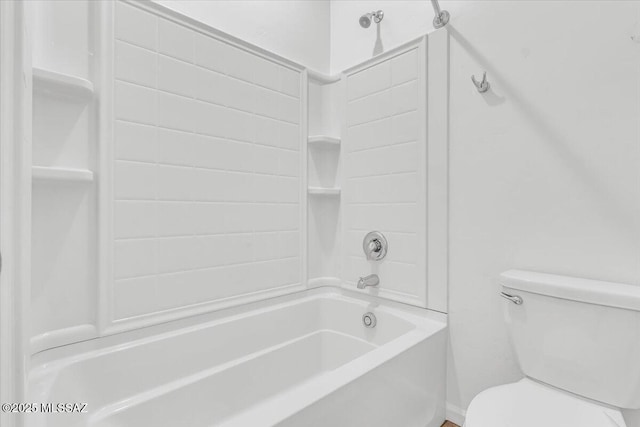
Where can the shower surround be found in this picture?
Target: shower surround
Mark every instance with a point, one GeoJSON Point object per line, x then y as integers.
{"type": "Point", "coordinates": [207, 169]}
{"type": "Point", "coordinates": [225, 190]}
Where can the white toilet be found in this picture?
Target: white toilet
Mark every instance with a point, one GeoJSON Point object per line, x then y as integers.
{"type": "Point", "coordinates": [578, 343]}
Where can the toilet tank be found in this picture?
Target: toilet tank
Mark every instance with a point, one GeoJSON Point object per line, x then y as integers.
{"type": "Point", "coordinates": [579, 335]}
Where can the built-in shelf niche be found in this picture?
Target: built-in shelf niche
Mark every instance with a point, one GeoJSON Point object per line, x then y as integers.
{"type": "Point", "coordinates": [324, 161]}
{"type": "Point", "coordinates": [64, 156]}
{"type": "Point", "coordinates": [62, 118]}
{"type": "Point", "coordinates": [323, 168]}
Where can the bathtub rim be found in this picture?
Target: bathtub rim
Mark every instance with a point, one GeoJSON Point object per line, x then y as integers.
{"type": "Point", "coordinates": [58, 357]}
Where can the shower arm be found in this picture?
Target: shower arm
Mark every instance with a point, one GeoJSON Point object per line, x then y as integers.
{"type": "Point", "coordinates": [442, 16]}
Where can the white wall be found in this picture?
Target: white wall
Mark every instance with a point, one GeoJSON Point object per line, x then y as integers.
{"type": "Point", "coordinates": [544, 169]}
{"type": "Point", "coordinates": [297, 30]}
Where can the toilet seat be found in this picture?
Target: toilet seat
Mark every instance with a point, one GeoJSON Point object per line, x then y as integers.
{"type": "Point", "coordinates": [530, 404]}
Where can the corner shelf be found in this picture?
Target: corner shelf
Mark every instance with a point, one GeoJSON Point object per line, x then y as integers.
{"type": "Point", "coordinates": [324, 141]}
{"type": "Point", "coordinates": [321, 78]}
{"type": "Point", "coordinates": [61, 174]}
{"type": "Point", "coordinates": [321, 191]}
{"type": "Point", "coordinates": [61, 84]}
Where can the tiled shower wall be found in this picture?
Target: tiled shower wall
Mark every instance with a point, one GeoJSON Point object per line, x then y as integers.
{"type": "Point", "coordinates": [385, 173]}
{"type": "Point", "coordinates": [207, 168]}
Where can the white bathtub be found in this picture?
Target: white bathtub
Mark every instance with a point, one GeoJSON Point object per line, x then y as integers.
{"type": "Point", "coordinates": [302, 360]}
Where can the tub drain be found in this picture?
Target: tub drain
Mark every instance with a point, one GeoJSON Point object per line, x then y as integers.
{"type": "Point", "coordinates": [369, 320]}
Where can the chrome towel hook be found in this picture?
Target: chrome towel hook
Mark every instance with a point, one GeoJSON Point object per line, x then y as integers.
{"type": "Point", "coordinates": [482, 86]}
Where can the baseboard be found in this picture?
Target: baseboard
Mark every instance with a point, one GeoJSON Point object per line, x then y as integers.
{"type": "Point", "coordinates": [455, 415]}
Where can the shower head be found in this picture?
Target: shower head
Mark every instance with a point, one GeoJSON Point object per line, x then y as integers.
{"type": "Point", "coordinates": [365, 20]}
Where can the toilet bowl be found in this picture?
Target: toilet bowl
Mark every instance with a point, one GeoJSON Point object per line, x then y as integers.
{"type": "Point", "coordinates": [530, 404]}
{"type": "Point", "coordinates": [577, 341]}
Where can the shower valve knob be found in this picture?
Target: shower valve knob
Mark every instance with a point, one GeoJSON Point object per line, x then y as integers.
{"type": "Point", "coordinates": [375, 246]}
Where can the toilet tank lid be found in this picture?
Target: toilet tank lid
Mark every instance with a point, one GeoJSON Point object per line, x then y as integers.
{"type": "Point", "coordinates": [598, 292]}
